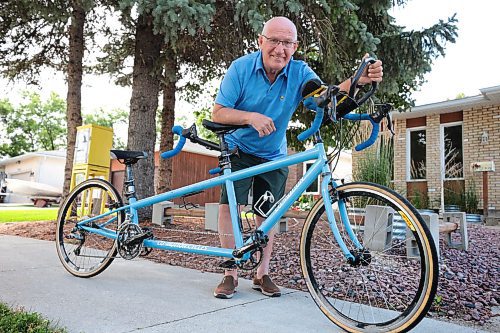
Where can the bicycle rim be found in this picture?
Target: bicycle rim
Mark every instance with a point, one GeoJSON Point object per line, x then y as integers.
{"type": "Point", "coordinates": [83, 253]}
{"type": "Point", "coordinates": [392, 287]}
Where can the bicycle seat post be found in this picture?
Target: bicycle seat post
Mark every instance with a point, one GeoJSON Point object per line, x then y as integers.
{"type": "Point", "coordinates": [129, 186]}
{"type": "Point", "coordinates": [225, 157]}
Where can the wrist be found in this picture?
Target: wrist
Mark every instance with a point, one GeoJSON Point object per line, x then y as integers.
{"type": "Point", "coordinates": [358, 85]}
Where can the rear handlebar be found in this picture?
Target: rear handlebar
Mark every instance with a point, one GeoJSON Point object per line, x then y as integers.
{"type": "Point", "coordinates": [182, 141]}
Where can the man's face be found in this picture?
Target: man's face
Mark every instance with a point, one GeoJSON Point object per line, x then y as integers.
{"type": "Point", "coordinates": [276, 57]}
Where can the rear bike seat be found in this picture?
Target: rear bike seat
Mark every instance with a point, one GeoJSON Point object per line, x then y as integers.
{"type": "Point", "coordinates": [219, 128]}
{"type": "Point", "coordinates": [128, 157]}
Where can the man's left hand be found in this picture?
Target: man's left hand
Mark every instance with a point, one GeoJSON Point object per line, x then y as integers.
{"type": "Point", "coordinates": [373, 73]}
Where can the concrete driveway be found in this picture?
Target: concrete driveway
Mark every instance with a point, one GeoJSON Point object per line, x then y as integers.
{"type": "Point", "coordinates": [145, 297]}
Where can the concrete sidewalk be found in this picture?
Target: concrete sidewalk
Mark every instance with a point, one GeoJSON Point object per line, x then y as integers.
{"type": "Point", "coordinates": [145, 297]}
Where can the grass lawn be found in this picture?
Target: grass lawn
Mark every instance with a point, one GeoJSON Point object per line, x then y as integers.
{"type": "Point", "coordinates": [28, 215]}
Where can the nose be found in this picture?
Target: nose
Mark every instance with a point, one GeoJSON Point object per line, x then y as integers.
{"type": "Point", "coordinates": [280, 47]}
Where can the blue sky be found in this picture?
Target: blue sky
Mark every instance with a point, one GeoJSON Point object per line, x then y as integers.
{"type": "Point", "coordinates": [470, 64]}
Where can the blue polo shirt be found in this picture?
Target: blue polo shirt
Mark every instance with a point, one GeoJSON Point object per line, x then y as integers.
{"type": "Point", "coordinates": [246, 87]}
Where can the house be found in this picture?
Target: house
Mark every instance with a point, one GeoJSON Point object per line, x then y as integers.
{"type": "Point", "coordinates": [44, 167]}
{"type": "Point", "coordinates": [438, 148]}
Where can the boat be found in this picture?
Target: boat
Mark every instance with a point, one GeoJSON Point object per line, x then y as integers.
{"type": "Point", "coordinates": [34, 190]}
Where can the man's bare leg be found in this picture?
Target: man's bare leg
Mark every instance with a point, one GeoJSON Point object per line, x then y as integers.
{"type": "Point", "coordinates": [263, 269]}
{"type": "Point", "coordinates": [226, 234]}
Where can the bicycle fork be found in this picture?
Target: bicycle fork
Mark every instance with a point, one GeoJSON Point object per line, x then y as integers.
{"type": "Point", "coordinates": [326, 181]}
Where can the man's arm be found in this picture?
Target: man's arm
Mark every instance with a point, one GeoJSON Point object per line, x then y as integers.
{"type": "Point", "coordinates": [262, 124]}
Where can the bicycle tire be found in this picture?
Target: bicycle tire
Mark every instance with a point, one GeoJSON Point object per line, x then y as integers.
{"type": "Point", "coordinates": [382, 278]}
{"type": "Point", "coordinates": [82, 253]}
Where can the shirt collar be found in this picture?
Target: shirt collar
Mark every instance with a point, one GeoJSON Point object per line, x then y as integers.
{"type": "Point", "coordinates": [260, 65]}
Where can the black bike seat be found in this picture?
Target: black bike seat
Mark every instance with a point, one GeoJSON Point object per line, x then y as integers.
{"type": "Point", "coordinates": [218, 128]}
{"type": "Point", "coordinates": [128, 156]}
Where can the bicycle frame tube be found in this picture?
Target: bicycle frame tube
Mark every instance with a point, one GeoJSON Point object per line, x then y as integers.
{"type": "Point", "coordinates": [345, 220]}
{"type": "Point", "coordinates": [316, 153]}
{"type": "Point", "coordinates": [319, 167]}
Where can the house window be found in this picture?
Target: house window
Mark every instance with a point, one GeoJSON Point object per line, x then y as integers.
{"type": "Point", "coordinates": [314, 187]}
{"type": "Point", "coordinates": [417, 163]}
{"type": "Point", "coordinates": [453, 151]}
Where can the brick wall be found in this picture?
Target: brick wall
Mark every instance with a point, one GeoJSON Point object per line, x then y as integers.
{"type": "Point", "coordinates": [433, 161]}
{"type": "Point", "coordinates": [477, 121]}
{"type": "Point", "coordinates": [400, 157]}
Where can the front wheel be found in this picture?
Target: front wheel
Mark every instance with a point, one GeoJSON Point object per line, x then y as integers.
{"type": "Point", "coordinates": [391, 284]}
{"type": "Point", "coordinates": [87, 249]}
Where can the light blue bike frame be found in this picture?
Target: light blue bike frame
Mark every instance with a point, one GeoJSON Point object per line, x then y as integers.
{"type": "Point", "coordinates": [320, 167]}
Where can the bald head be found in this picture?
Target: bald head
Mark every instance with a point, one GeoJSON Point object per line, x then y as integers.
{"type": "Point", "coordinates": [280, 23]}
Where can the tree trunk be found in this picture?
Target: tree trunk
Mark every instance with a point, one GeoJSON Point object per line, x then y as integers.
{"type": "Point", "coordinates": [74, 96]}
{"type": "Point", "coordinates": [167, 122]}
{"type": "Point", "coordinates": [143, 105]}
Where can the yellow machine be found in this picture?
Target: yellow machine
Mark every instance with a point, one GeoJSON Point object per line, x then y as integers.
{"type": "Point", "coordinates": [91, 159]}
{"type": "Point", "coordinates": [92, 147]}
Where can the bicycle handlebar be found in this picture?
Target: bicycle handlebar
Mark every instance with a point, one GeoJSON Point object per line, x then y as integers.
{"type": "Point", "coordinates": [182, 141]}
{"type": "Point", "coordinates": [375, 129]}
{"type": "Point", "coordinates": [318, 120]}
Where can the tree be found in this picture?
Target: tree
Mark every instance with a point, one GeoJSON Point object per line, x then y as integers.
{"type": "Point", "coordinates": [35, 35]}
{"type": "Point", "coordinates": [33, 125]}
{"type": "Point", "coordinates": [158, 23]}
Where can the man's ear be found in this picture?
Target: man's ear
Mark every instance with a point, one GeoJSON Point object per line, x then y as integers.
{"type": "Point", "coordinates": [260, 40]}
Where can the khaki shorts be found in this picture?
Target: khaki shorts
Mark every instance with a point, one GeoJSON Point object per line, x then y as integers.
{"type": "Point", "coordinates": [273, 181]}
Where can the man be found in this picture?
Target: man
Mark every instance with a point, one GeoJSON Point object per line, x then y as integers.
{"type": "Point", "coordinates": [263, 89]}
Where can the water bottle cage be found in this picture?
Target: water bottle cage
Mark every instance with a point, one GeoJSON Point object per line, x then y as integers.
{"type": "Point", "coordinates": [267, 196]}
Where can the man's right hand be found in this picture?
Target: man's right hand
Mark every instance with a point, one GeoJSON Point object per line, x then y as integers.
{"type": "Point", "coordinates": [262, 124]}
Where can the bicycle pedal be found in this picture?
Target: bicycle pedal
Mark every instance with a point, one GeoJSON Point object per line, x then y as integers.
{"type": "Point", "coordinates": [228, 264]}
{"type": "Point", "coordinates": [139, 238]}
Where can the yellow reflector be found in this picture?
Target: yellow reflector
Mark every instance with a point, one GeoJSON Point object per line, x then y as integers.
{"type": "Point", "coordinates": [407, 220]}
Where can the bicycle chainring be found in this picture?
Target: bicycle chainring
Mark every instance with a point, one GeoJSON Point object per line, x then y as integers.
{"type": "Point", "coordinates": [127, 231]}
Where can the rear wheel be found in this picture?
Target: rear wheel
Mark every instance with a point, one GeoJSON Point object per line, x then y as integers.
{"type": "Point", "coordinates": [391, 283]}
{"type": "Point", "coordinates": [86, 253]}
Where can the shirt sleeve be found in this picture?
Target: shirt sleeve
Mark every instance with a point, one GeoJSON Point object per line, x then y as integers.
{"type": "Point", "coordinates": [230, 88]}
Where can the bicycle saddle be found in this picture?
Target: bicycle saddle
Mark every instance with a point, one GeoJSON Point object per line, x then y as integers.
{"type": "Point", "coordinates": [218, 128]}
{"type": "Point", "coordinates": [128, 156]}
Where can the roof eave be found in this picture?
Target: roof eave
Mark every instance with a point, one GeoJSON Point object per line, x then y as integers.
{"type": "Point", "coordinates": [490, 95]}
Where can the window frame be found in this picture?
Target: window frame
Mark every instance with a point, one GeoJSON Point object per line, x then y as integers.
{"type": "Point", "coordinates": [441, 149]}
{"type": "Point", "coordinates": [408, 153]}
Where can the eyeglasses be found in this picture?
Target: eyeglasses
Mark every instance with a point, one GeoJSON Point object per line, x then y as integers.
{"type": "Point", "coordinates": [275, 42]}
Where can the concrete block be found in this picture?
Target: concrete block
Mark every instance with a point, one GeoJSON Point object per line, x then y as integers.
{"type": "Point", "coordinates": [492, 221]}
{"type": "Point", "coordinates": [161, 215]}
{"type": "Point", "coordinates": [432, 222]}
{"type": "Point", "coordinates": [378, 227]}
{"type": "Point", "coordinates": [212, 216]}
{"type": "Point", "coordinates": [282, 225]}
{"type": "Point", "coordinates": [461, 220]}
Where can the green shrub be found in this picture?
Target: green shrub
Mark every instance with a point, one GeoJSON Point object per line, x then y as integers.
{"type": "Point", "coordinates": [376, 165]}
{"type": "Point", "coordinates": [471, 199]}
{"type": "Point", "coordinates": [15, 321]}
